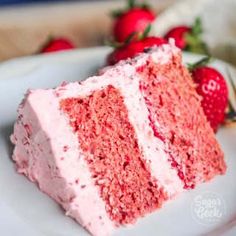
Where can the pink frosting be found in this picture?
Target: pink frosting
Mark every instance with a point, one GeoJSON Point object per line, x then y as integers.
{"type": "Point", "coordinates": [47, 151]}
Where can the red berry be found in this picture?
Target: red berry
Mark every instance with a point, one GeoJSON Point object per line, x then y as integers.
{"type": "Point", "coordinates": [58, 44]}
{"type": "Point", "coordinates": [125, 52]}
{"type": "Point", "coordinates": [134, 20]}
{"type": "Point", "coordinates": [133, 48]}
{"type": "Point", "coordinates": [151, 41]}
{"type": "Point", "coordinates": [213, 89]}
{"type": "Point", "coordinates": [178, 34]}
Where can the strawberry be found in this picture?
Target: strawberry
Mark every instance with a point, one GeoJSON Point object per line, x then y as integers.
{"type": "Point", "coordinates": [179, 33]}
{"type": "Point", "coordinates": [152, 41]}
{"type": "Point", "coordinates": [124, 52]}
{"type": "Point", "coordinates": [58, 44]}
{"type": "Point", "coordinates": [134, 19]}
{"type": "Point", "coordinates": [132, 48]}
{"type": "Point", "coordinates": [188, 38]}
{"type": "Point", "coordinates": [212, 87]}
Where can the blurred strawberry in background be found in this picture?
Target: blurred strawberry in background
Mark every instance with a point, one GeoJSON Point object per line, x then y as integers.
{"type": "Point", "coordinates": [134, 19]}
{"type": "Point", "coordinates": [133, 45]}
{"type": "Point", "coordinates": [179, 34]}
{"type": "Point", "coordinates": [57, 44]}
{"type": "Point", "coordinates": [189, 38]}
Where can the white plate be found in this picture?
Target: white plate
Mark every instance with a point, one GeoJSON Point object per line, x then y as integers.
{"type": "Point", "coordinates": [24, 210]}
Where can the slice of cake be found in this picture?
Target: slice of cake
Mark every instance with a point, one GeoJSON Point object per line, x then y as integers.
{"type": "Point", "coordinates": [116, 146]}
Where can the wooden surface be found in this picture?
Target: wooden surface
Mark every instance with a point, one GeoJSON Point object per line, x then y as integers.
{"type": "Point", "coordinates": [24, 29]}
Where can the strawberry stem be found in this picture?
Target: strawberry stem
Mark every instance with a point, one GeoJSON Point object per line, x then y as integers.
{"type": "Point", "coordinates": [203, 62]}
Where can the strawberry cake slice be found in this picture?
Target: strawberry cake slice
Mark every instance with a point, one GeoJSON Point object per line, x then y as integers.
{"type": "Point", "coordinates": [116, 146]}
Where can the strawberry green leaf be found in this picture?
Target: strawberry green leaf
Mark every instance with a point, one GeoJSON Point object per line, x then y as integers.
{"type": "Point", "coordinates": [194, 41]}
{"type": "Point", "coordinates": [145, 6]}
{"type": "Point", "coordinates": [131, 4]}
{"type": "Point", "coordinates": [146, 32]}
{"type": "Point", "coordinates": [116, 44]}
{"type": "Point", "coordinates": [113, 44]}
{"type": "Point", "coordinates": [195, 45]}
{"type": "Point", "coordinates": [117, 13]}
{"type": "Point", "coordinates": [203, 62]}
{"type": "Point", "coordinates": [197, 27]}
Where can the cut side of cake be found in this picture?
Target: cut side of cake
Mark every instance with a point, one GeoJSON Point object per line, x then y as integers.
{"type": "Point", "coordinates": [179, 121]}
{"type": "Point", "coordinates": [116, 146]}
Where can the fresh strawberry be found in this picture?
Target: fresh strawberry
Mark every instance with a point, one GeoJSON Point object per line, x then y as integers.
{"type": "Point", "coordinates": [134, 19]}
{"type": "Point", "coordinates": [188, 38]}
{"type": "Point", "coordinates": [152, 41]}
{"type": "Point", "coordinates": [58, 44]}
{"type": "Point", "coordinates": [124, 52]}
{"type": "Point", "coordinates": [133, 48]}
{"type": "Point", "coordinates": [212, 87]}
{"type": "Point", "coordinates": [178, 33]}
